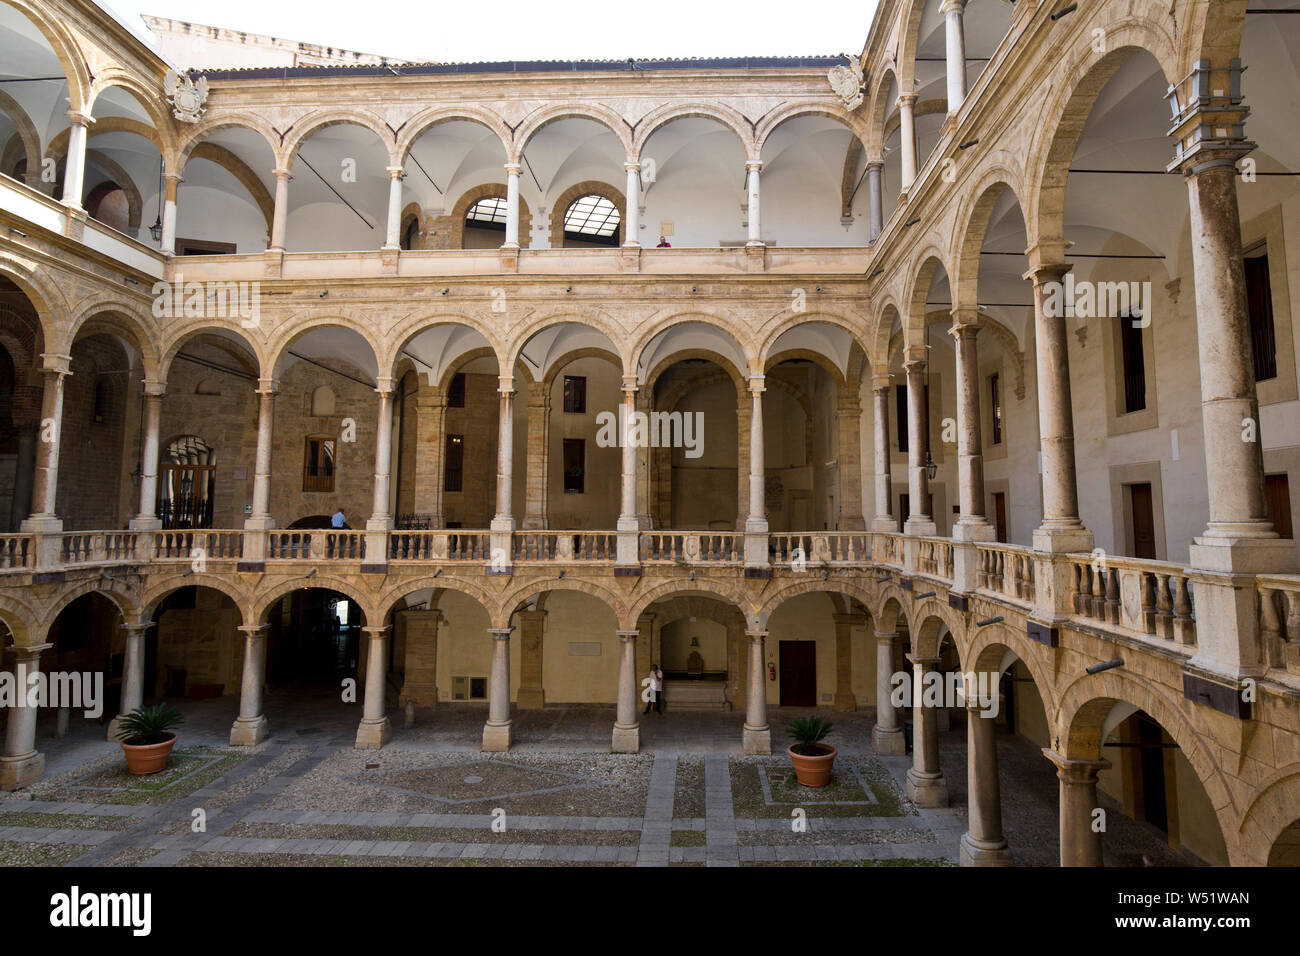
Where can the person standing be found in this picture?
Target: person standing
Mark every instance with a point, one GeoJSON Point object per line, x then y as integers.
{"type": "Point", "coordinates": [656, 698]}
{"type": "Point", "coordinates": [339, 519]}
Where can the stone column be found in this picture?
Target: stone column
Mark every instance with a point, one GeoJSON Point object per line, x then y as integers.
{"type": "Point", "coordinates": [875, 199]}
{"type": "Point", "coordinates": [844, 701]}
{"type": "Point", "coordinates": [972, 525]}
{"type": "Point", "coordinates": [743, 467]}
{"type": "Point", "coordinates": [504, 522]}
{"type": "Point", "coordinates": [919, 522]}
{"type": "Point", "coordinates": [132, 695]}
{"type": "Point", "coordinates": [757, 736]}
{"type": "Point", "coordinates": [497, 732]}
{"type": "Point", "coordinates": [538, 465]}
{"type": "Point", "coordinates": [884, 519]}
{"type": "Point", "coordinates": [644, 484]}
{"type": "Point", "coordinates": [756, 521]}
{"type": "Point", "coordinates": [431, 439]}
{"type": "Point", "coordinates": [393, 240]}
{"type": "Point", "coordinates": [512, 206]}
{"type": "Point", "coordinates": [1061, 530]}
{"type": "Point", "coordinates": [24, 475]}
{"type": "Point", "coordinates": [46, 484]}
{"type": "Point", "coordinates": [849, 419]}
{"type": "Point", "coordinates": [907, 131]}
{"type": "Point", "coordinates": [627, 729]}
{"type": "Point", "coordinates": [260, 519]}
{"type": "Point", "coordinates": [147, 519]}
{"type": "Point", "coordinates": [926, 786]}
{"type": "Point", "coordinates": [755, 225]}
{"type": "Point", "coordinates": [629, 527]}
{"type": "Point", "coordinates": [420, 683]}
{"type": "Point", "coordinates": [983, 843]}
{"type": "Point", "coordinates": [167, 244]}
{"type": "Point", "coordinates": [20, 764]}
{"type": "Point", "coordinates": [280, 218]}
{"type": "Point", "coordinates": [74, 171]}
{"type": "Point", "coordinates": [250, 727]}
{"type": "Point", "coordinates": [531, 695]}
{"type": "Point", "coordinates": [1080, 842]}
{"type": "Point", "coordinates": [375, 730]}
{"type": "Point", "coordinates": [955, 36]}
{"type": "Point", "coordinates": [381, 515]}
{"type": "Point", "coordinates": [633, 218]}
{"type": "Point", "coordinates": [887, 736]}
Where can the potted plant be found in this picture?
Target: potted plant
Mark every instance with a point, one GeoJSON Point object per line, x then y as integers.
{"type": "Point", "coordinates": [812, 759]}
{"type": "Point", "coordinates": [146, 737]}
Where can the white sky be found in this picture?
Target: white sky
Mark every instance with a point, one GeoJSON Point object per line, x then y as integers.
{"type": "Point", "coordinates": [475, 30]}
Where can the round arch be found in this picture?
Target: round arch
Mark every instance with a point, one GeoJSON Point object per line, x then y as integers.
{"type": "Point", "coordinates": [427, 119]}
{"type": "Point", "coordinates": [261, 603]}
{"type": "Point", "coordinates": [660, 117]}
{"type": "Point", "coordinates": [589, 187]}
{"type": "Point", "coordinates": [971, 226]}
{"type": "Point", "coordinates": [488, 191]}
{"type": "Point", "coordinates": [606, 117]}
{"type": "Point", "coordinates": [160, 590]}
{"type": "Point", "coordinates": [65, 47]}
{"type": "Point", "coordinates": [790, 111]}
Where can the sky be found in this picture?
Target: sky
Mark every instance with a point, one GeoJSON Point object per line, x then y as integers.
{"type": "Point", "coordinates": [480, 30]}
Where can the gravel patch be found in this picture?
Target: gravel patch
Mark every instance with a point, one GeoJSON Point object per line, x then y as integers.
{"type": "Point", "coordinates": [132, 856]}
{"type": "Point", "coordinates": [278, 831]}
{"type": "Point", "coordinates": [299, 860]}
{"type": "Point", "coordinates": [687, 838]}
{"type": "Point", "coordinates": [66, 821]}
{"type": "Point", "coordinates": [38, 854]}
{"type": "Point", "coordinates": [688, 800]}
{"type": "Point", "coordinates": [107, 780]}
{"type": "Point", "coordinates": [833, 837]}
{"type": "Point", "coordinates": [748, 799]}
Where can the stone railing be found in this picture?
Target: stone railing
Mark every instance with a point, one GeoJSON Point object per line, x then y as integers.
{"type": "Point", "coordinates": [826, 547]}
{"type": "Point", "coordinates": [692, 547]}
{"type": "Point", "coordinates": [1152, 598]}
{"type": "Point", "coordinates": [934, 557]}
{"type": "Point", "coordinates": [1007, 571]}
{"type": "Point", "coordinates": [16, 552]}
{"type": "Point", "coordinates": [446, 545]}
{"type": "Point", "coordinates": [1279, 620]}
{"type": "Point", "coordinates": [887, 549]}
{"type": "Point", "coordinates": [195, 545]}
{"type": "Point", "coordinates": [565, 546]}
{"type": "Point", "coordinates": [99, 547]}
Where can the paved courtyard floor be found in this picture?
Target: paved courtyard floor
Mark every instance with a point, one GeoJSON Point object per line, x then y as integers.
{"type": "Point", "coordinates": [305, 796]}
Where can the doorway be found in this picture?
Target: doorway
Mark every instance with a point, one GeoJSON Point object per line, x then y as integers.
{"type": "Point", "coordinates": [798, 673]}
{"type": "Point", "coordinates": [1000, 515]}
{"type": "Point", "coordinates": [1142, 518]}
{"type": "Point", "coordinates": [1277, 504]}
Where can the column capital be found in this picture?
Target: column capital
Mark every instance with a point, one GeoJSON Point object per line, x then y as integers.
{"type": "Point", "coordinates": [906, 100]}
{"type": "Point", "coordinates": [1208, 118]}
{"type": "Point", "coordinates": [757, 384]}
{"type": "Point", "coordinates": [385, 385]}
{"type": "Point", "coordinates": [966, 321]}
{"type": "Point", "coordinates": [914, 366]}
{"type": "Point", "coordinates": [627, 635]}
{"type": "Point", "coordinates": [506, 385]}
{"type": "Point", "coordinates": [500, 633]}
{"type": "Point", "coordinates": [55, 362]}
{"type": "Point", "coordinates": [632, 166]}
{"type": "Point", "coordinates": [376, 632]}
{"type": "Point", "coordinates": [80, 118]}
{"type": "Point", "coordinates": [27, 652]}
{"type": "Point", "coordinates": [396, 172]}
{"type": "Point", "coordinates": [513, 169]}
{"type": "Point", "coordinates": [755, 636]}
{"type": "Point", "coordinates": [880, 382]}
{"type": "Point", "coordinates": [630, 384]}
{"type": "Point", "coordinates": [267, 387]}
{"type": "Point", "coordinates": [1075, 771]}
{"type": "Point", "coordinates": [137, 627]}
{"type": "Point", "coordinates": [925, 663]}
{"type": "Point", "coordinates": [282, 173]}
{"type": "Point", "coordinates": [1046, 253]}
{"type": "Point", "coordinates": [254, 630]}
{"type": "Point", "coordinates": [753, 165]}
{"type": "Point", "coordinates": [875, 164]}
{"type": "Point", "coordinates": [951, 6]}
{"type": "Point", "coordinates": [885, 636]}
{"type": "Point", "coordinates": [154, 389]}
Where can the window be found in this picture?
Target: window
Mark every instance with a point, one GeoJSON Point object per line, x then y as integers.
{"type": "Point", "coordinates": [411, 234]}
{"type": "Point", "coordinates": [456, 392]}
{"type": "Point", "coordinates": [187, 470]}
{"type": "Point", "coordinates": [103, 399]}
{"type": "Point", "coordinates": [575, 466]}
{"type": "Point", "coordinates": [900, 402]}
{"type": "Point", "coordinates": [1259, 306]}
{"type": "Point", "coordinates": [995, 395]}
{"type": "Point", "coordinates": [488, 213]}
{"type": "Point", "coordinates": [1134, 363]}
{"type": "Point", "coordinates": [575, 395]}
{"type": "Point", "coordinates": [453, 474]}
{"type": "Point", "coordinates": [592, 219]}
{"type": "Point", "coordinates": [318, 465]}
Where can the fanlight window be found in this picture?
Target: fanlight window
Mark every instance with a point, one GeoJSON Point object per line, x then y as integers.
{"type": "Point", "coordinates": [593, 219]}
{"type": "Point", "coordinates": [487, 213]}
{"type": "Point", "coordinates": [186, 482]}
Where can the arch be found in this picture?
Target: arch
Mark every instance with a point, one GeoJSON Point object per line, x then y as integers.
{"type": "Point", "coordinates": [793, 589]}
{"type": "Point", "coordinates": [590, 187]}
{"type": "Point", "coordinates": [296, 326]}
{"type": "Point", "coordinates": [1272, 812]}
{"type": "Point", "coordinates": [64, 45]}
{"type": "Point", "coordinates": [400, 334]}
{"type": "Point", "coordinates": [20, 619]}
{"type": "Point", "coordinates": [162, 587]}
{"type": "Point", "coordinates": [261, 603]}
{"type": "Point", "coordinates": [982, 647]}
{"type": "Point", "coordinates": [924, 625]}
{"type": "Point", "coordinates": [122, 600]}
{"type": "Point", "coordinates": [512, 598]}
{"type": "Point", "coordinates": [707, 588]}
{"type": "Point", "coordinates": [661, 116]}
{"type": "Point", "coordinates": [1052, 149]}
{"type": "Point", "coordinates": [971, 225]}
{"type": "Point", "coordinates": [312, 123]}
{"type": "Point", "coordinates": [488, 191]}
{"type": "Point", "coordinates": [808, 355]}
{"type": "Point", "coordinates": [557, 364]}
{"type": "Point", "coordinates": [215, 122]}
{"type": "Point", "coordinates": [105, 313]}
{"type": "Point", "coordinates": [663, 325]}
{"type": "Point", "coordinates": [887, 610]}
{"type": "Point", "coordinates": [26, 132]}
{"type": "Point", "coordinates": [224, 158]}
{"type": "Point", "coordinates": [45, 296]}
{"type": "Point", "coordinates": [784, 321]}
{"type": "Point", "coordinates": [923, 275]}
{"type": "Point", "coordinates": [419, 124]}
{"type": "Point", "coordinates": [146, 97]}
{"type": "Point", "coordinates": [174, 342]}
{"type": "Point", "coordinates": [797, 108]}
{"type": "Point", "coordinates": [878, 110]}
{"type": "Point", "coordinates": [448, 581]}
{"type": "Point", "coordinates": [120, 178]}
{"type": "Point", "coordinates": [729, 369]}
{"type": "Point", "coordinates": [544, 116]}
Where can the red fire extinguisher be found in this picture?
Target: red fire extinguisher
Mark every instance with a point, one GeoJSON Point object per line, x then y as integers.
{"type": "Point", "coordinates": [771, 672]}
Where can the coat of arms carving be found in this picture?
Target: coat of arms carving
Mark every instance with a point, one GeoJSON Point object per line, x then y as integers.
{"type": "Point", "coordinates": [847, 82]}
{"type": "Point", "coordinates": [187, 96]}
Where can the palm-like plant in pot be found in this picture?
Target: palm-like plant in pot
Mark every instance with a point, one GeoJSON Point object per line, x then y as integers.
{"type": "Point", "coordinates": [147, 738]}
{"type": "Point", "coordinates": [811, 757]}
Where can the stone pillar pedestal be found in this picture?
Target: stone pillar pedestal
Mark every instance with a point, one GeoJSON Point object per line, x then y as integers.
{"type": "Point", "coordinates": [375, 730]}
{"type": "Point", "coordinates": [421, 683]}
{"type": "Point", "coordinates": [250, 727]}
{"type": "Point", "coordinates": [20, 764]}
{"type": "Point", "coordinates": [1080, 843]}
{"type": "Point", "coordinates": [627, 730]}
{"type": "Point", "coordinates": [531, 695]}
{"type": "Point", "coordinates": [926, 786]}
{"type": "Point", "coordinates": [497, 732]}
{"type": "Point", "coordinates": [887, 736]}
{"type": "Point", "coordinates": [757, 738]}
{"type": "Point", "coordinates": [983, 843]}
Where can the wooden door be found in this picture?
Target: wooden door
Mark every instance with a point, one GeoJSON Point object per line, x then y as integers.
{"type": "Point", "coordinates": [1277, 502]}
{"type": "Point", "coordinates": [1000, 515]}
{"type": "Point", "coordinates": [1144, 524]}
{"type": "Point", "coordinates": [798, 673]}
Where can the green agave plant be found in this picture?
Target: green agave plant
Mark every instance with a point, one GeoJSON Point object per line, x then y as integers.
{"type": "Point", "coordinates": [148, 725]}
{"type": "Point", "coordinates": [807, 732]}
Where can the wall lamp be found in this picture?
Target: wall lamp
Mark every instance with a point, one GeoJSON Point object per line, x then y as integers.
{"type": "Point", "coordinates": [445, 291]}
{"type": "Point", "coordinates": [911, 222]}
{"type": "Point", "coordinates": [927, 594]}
{"type": "Point", "coordinates": [885, 578]}
{"type": "Point", "coordinates": [968, 144]}
{"type": "Point", "coordinates": [324, 292]}
{"type": "Point", "coordinates": [1064, 12]}
{"type": "Point", "coordinates": [990, 620]}
{"type": "Point", "coordinates": [876, 273]}
{"type": "Point", "coordinates": [1105, 666]}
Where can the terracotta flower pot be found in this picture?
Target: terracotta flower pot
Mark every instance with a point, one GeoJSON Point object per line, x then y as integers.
{"type": "Point", "coordinates": [148, 758]}
{"type": "Point", "coordinates": [813, 771]}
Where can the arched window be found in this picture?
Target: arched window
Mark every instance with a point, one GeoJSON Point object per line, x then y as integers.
{"type": "Point", "coordinates": [322, 401]}
{"type": "Point", "coordinates": [485, 222]}
{"type": "Point", "coordinates": [107, 203]}
{"type": "Point", "coordinates": [410, 233]}
{"type": "Point", "coordinates": [591, 220]}
{"type": "Point", "coordinates": [186, 483]}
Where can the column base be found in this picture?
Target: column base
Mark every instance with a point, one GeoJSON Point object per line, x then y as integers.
{"type": "Point", "coordinates": [756, 740]}
{"type": "Point", "coordinates": [145, 523]}
{"type": "Point", "coordinates": [920, 527]}
{"type": "Point", "coordinates": [626, 740]}
{"type": "Point", "coordinates": [247, 733]}
{"type": "Point", "coordinates": [889, 741]}
{"type": "Point", "coordinates": [373, 734]}
{"type": "Point", "coordinates": [41, 524]}
{"type": "Point", "coordinates": [530, 698]}
{"type": "Point", "coordinates": [19, 772]}
{"type": "Point", "coordinates": [424, 695]}
{"type": "Point", "coordinates": [974, 529]}
{"type": "Point", "coordinates": [1242, 554]}
{"type": "Point", "coordinates": [927, 790]}
{"type": "Point", "coordinates": [1062, 540]}
{"type": "Point", "coordinates": [497, 737]}
{"type": "Point", "coordinates": [113, 726]}
{"type": "Point", "coordinates": [844, 704]}
{"type": "Point", "coordinates": [885, 525]}
{"type": "Point", "coordinates": [980, 853]}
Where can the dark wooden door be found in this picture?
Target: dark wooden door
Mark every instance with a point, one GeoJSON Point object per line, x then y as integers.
{"type": "Point", "coordinates": [1144, 524]}
{"type": "Point", "coordinates": [1277, 501]}
{"type": "Point", "coordinates": [1000, 515]}
{"type": "Point", "coordinates": [1152, 742]}
{"type": "Point", "coordinates": [904, 510]}
{"type": "Point", "coordinates": [798, 673]}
